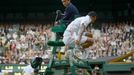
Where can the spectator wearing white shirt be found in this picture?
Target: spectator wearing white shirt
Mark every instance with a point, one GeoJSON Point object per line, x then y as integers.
{"type": "Point", "coordinates": [28, 70]}
{"type": "Point", "coordinates": [34, 67]}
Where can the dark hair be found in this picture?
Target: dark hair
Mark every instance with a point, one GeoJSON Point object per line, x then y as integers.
{"type": "Point", "coordinates": [92, 13]}
{"type": "Point", "coordinates": [36, 62]}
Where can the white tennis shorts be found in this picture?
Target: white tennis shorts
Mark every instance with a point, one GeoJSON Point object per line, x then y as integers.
{"type": "Point", "coordinates": [69, 38]}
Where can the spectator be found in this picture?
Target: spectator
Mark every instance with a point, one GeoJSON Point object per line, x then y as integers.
{"type": "Point", "coordinates": [70, 12]}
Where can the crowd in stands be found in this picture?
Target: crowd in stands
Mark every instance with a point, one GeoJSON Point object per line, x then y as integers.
{"type": "Point", "coordinates": [116, 39]}
{"type": "Point", "coordinates": [21, 42]}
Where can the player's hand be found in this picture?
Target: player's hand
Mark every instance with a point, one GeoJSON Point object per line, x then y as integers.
{"type": "Point", "coordinates": [77, 42]}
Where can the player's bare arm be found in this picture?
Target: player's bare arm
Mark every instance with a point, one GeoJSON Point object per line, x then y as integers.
{"type": "Point", "coordinates": [81, 30]}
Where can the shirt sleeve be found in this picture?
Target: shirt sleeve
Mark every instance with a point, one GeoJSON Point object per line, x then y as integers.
{"type": "Point", "coordinates": [85, 21]}
{"type": "Point", "coordinates": [67, 14]}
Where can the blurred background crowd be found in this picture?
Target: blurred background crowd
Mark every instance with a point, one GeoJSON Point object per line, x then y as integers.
{"type": "Point", "coordinates": [21, 42]}
{"type": "Point", "coordinates": [116, 39]}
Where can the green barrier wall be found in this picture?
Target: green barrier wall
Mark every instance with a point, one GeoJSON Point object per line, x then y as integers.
{"type": "Point", "coordinates": [16, 69]}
